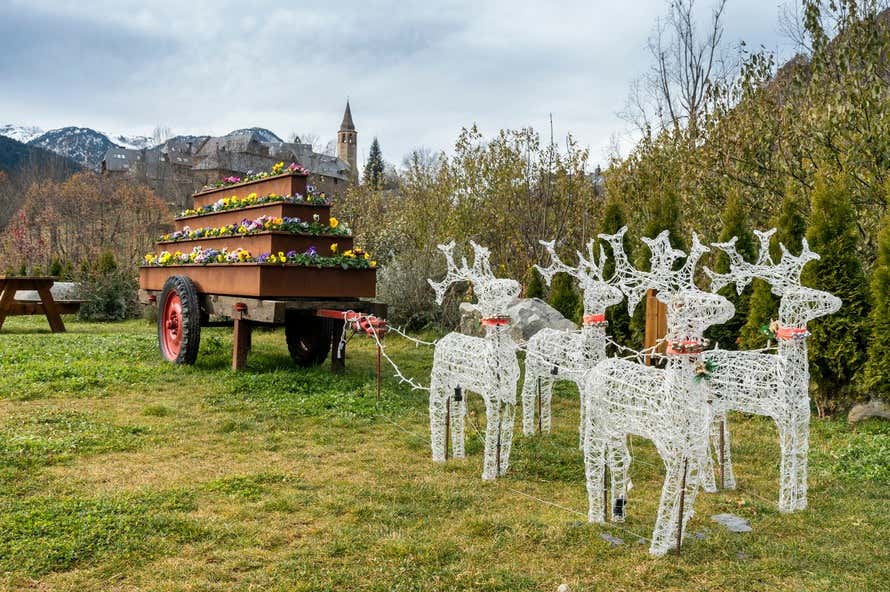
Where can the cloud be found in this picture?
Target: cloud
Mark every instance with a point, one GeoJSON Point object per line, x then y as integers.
{"type": "Point", "coordinates": [415, 72]}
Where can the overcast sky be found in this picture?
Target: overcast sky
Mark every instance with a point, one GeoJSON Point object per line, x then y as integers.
{"type": "Point", "coordinates": [415, 71]}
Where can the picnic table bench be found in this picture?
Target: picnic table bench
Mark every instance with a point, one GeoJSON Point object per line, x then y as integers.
{"type": "Point", "coordinates": [41, 304]}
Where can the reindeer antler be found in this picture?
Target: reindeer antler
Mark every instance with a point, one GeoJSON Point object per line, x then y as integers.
{"type": "Point", "coordinates": [634, 282]}
{"type": "Point", "coordinates": [686, 275]}
{"type": "Point", "coordinates": [781, 276]}
{"type": "Point", "coordinates": [478, 274]}
{"type": "Point", "coordinates": [455, 274]}
{"type": "Point", "coordinates": [556, 265]}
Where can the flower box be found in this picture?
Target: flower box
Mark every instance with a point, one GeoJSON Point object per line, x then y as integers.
{"type": "Point", "coordinates": [274, 210]}
{"type": "Point", "coordinates": [289, 183]}
{"type": "Point", "coordinates": [263, 242]}
{"type": "Point", "coordinates": [267, 281]}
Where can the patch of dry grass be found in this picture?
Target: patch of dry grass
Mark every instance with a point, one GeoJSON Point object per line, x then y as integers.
{"type": "Point", "coordinates": [167, 478]}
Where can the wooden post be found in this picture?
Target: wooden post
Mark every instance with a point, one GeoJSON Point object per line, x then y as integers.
{"type": "Point", "coordinates": [498, 449]}
{"type": "Point", "coordinates": [447, 425]}
{"type": "Point", "coordinates": [656, 322]}
{"type": "Point", "coordinates": [682, 499]}
{"type": "Point", "coordinates": [241, 343]}
{"type": "Point", "coordinates": [379, 356]}
{"type": "Point", "coordinates": [720, 455]}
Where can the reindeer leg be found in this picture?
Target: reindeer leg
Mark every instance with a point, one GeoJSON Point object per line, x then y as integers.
{"type": "Point", "coordinates": [786, 467]}
{"type": "Point", "coordinates": [492, 438]}
{"type": "Point", "coordinates": [801, 435]}
{"type": "Point", "coordinates": [664, 536]}
{"type": "Point", "coordinates": [458, 415]}
{"type": "Point", "coordinates": [507, 421]}
{"type": "Point", "coordinates": [437, 421]}
{"type": "Point", "coordinates": [707, 473]}
{"type": "Point", "coordinates": [728, 473]}
{"type": "Point", "coordinates": [595, 469]}
{"type": "Point", "coordinates": [619, 463]}
{"type": "Point", "coordinates": [546, 397]}
{"type": "Point", "coordinates": [582, 422]}
{"type": "Point", "coordinates": [529, 397]}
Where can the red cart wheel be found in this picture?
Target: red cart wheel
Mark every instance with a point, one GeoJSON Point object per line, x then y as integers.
{"type": "Point", "coordinates": [179, 321]}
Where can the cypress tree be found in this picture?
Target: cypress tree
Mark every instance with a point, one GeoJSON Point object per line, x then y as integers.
{"type": "Point", "coordinates": [534, 287]}
{"type": "Point", "coordinates": [664, 214]}
{"type": "Point", "coordinates": [876, 374]}
{"type": "Point", "coordinates": [619, 320]}
{"type": "Point", "coordinates": [791, 227]}
{"type": "Point", "coordinates": [735, 224]}
{"type": "Point", "coordinates": [373, 175]}
{"type": "Point", "coordinates": [563, 296]}
{"type": "Point", "coordinates": [838, 342]}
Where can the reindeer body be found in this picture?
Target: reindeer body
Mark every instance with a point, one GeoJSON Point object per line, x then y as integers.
{"type": "Point", "coordinates": [554, 355]}
{"type": "Point", "coordinates": [486, 366]}
{"type": "Point", "coordinates": [771, 385]}
{"type": "Point", "coordinates": [667, 406]}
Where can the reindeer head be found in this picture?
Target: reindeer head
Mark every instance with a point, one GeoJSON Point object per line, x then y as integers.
{"type": "Point", "coordinates": [799, 304]}
{"type": "Point", "coordinates": [598, 294]}
{"type": "Point", "coordinates": [690, 310]}
{"type": "Point", "coordinates": [493, 295]}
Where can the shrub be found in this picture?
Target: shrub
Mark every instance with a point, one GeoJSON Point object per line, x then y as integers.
{"type": "Point", "coordinates": [838, 342]}
{"type": "Point", "coordinates": [109, 293]}
{"type": "Point", "coordinates": [876, 375]}
{"type": "Point", "coordinates": [735, 224]}
{"type": "Point", "coordinates": [563, 296]}
{"type": "Point", "coordinates": [534, 287]}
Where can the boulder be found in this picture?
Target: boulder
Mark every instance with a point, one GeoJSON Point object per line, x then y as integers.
{"type": "Point", "coordinates": [59, 290]}
{"type": "Point", "coordinates": [528, 315]}
{"type": "Point", "coordinates": [874, 408]}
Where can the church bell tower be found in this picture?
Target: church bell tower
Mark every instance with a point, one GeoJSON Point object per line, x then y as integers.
{"type": "Point", "coordinates": [347, 144]}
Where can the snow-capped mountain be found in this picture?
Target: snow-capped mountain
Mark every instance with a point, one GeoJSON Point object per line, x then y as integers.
{"type": "Point", "coordinates": [262, 133]}
{"type": "Point", "coordinates": [87, 146]}
{"type": "Point", "coordinates": [81, 144]}
{"type": "Point", "coordinates": [132, 142]}
{"type": "Point", "coordinates": [20, 133]}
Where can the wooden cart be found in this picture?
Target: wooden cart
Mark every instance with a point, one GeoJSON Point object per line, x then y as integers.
{"type": "Point", "coordinates": [308, 301]}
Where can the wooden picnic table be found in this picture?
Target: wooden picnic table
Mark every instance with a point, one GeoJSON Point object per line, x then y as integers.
{"type": "Point", "coordinates": [9, 306]}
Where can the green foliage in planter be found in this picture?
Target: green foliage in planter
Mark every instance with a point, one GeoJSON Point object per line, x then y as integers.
{"type": "Point", "coordinates": [735, 224]}
{"type": "Point", "coordinates": [109, 293]}
{"type": "Point", "coordinates": [876, 374]}
{"type": "Point", "coordinates": [838, 342]}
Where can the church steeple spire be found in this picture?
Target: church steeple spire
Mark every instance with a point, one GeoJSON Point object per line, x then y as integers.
{"type": "Point", "coordinates": [347, 143]}
{"type": "Point", "coordinates": [347, 125]}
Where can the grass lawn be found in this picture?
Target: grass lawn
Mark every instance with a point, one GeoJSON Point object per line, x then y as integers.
{"type": "Point", "coordinates": [121, 472]}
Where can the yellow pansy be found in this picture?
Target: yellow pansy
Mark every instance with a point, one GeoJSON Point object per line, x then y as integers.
{"type": "Point", "coordinates": [334, 248]}
{"type": "Point", "coordinates": [334, 222]}
{"type": "Point", "coordinates": [373, 264]}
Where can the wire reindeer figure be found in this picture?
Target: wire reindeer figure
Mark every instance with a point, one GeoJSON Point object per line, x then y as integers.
{"type": "Point", "coordinates": [485, 365]}
{"type": "Point", "coordinates": [553, 355]}
{"type": "Point", "coordinates": [667, 406]}
{"type": "Point", "coordinates": [772, 385]}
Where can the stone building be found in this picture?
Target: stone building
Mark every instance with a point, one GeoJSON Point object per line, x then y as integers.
{"type": "Point", "coordinates": [182, 165]}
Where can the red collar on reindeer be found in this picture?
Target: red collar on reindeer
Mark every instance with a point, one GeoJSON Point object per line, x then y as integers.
{"type": "Point", "coordinates": [789, 333]}
{"type": "Point", "coordinates": [684, 347]}
{"type": "Point", "coordinates": [594, 319]}
{"type": "Point", "coordinates": [501, 321]}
